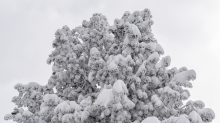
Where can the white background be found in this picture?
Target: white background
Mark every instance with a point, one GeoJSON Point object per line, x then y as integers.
{"type": "Point", "coordinates": [189, 31]}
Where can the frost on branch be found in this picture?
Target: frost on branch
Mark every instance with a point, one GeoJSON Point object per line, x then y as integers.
{"type": "Point", "coordinates": [110, 74]}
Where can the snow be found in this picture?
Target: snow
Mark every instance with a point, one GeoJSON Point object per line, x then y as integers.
{"type": "Point", "coordinates": [107, 86]}
{"type": "Point", "coordinates": [127, 51]}
{"type": "Point", "coordinates": [80, 98]}
{"type": "Point", "coordinates": [44, 110]}
{"type": "Point", "coordinates": [90, 76]}
{"type": "Point", "coordinates": [155, 80]}
{"type": "Point", "coordinates": [126, 40]}
{"type": "Point", "coordinates": [85, 102]}
{"type": "Point", "coordinates": [141, 69]}
{"type": "Point", "coordinates": [182, 69]}
{"type": "Point", "coordinates": [164, 62]}
{"type": "Point", "coordinates": [120, 87]}
{"type": "Point", "coordinates": [183, 77]}
{"type": "Point", "coordinates": [113, 61]}
{"type": "Point", "coordinates": [143, 45]}
{"type": "Point", "coordinates": [18, 85]}
{"type": "Point", "coordinates": [32, 85]}
{"type": "Point", "coordinates": [157, 101]}
{"type": "Point", "coordinates": [8, 117]}
{"type": "Point", "coordinates": [104, 97]}
{"type": "Point", "coordinates": [144, 95]}
{"type": "Point", "coordinates": [184, 95]}
{"type": "Point", "coordinates": [195, 117]}
{"type": "Point", "coordinates": [182, 119]}
{"type": "Point", "coordinates": [127, 103]}
{"type": "Point", "coordinates": [169, 91]}
{"type": "Point", "coordinates": [199, 104]}
{"type": "Point", "coordinates": [52, 97]}
{"type": "Point", "coordinates": [113, 66]}
{"type": "Point", "coordinates": [159, 49]}
{"type": "Point", "coordinates": [151, 120]}
{"type": "Point", "coordinates": [84, 115]}
{"type": "Point", "coordinates": [49, 60]}
{"type": "Point", "coordinates": [110, 59]}
{"type": "Point", "coordinates": [55, 68]}
{"type": "Point", "coordinates": [66, 118]}
{"type": "Point", "coordinates": [75, 106]}
{"type": "Point", "coordinates": [27, 113]}
{"type": "Point", "coordinates": [153, 56]}
{"type": "Point", "coordinates": [63, 107]}
{"type": "Point", "coordinates": [172, 119]}
{"type": "Point", "coordinates": [207, 113]}
{"type": "Point", "coordinates": [151, 46]}
{"type": "Point", "coordinates": [18, 116]}
{"type": "Point", "coordinates": [134, 28]}
{"type": "Point", "coordinates": [94, 50]}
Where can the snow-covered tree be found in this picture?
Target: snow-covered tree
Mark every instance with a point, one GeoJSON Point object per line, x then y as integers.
{"type": "Point", "coordinates": [110, 74]}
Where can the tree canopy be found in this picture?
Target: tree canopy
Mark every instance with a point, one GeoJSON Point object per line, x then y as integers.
{"type": "Point", "coordinates": [110, 74]}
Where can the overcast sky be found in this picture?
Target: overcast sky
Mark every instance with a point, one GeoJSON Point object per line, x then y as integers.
{"type": "Point", "coordinates": [188, 30]}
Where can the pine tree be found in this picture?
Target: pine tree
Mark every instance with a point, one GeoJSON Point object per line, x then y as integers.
{"type": "Point", "coordinates": [110, 74]}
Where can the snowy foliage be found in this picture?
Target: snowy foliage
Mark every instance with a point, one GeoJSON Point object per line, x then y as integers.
{"type": "Point", "coordinates": [110, 74]}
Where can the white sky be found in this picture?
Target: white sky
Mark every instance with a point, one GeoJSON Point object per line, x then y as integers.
{"type": "Point", "coordinates": [189, 31]}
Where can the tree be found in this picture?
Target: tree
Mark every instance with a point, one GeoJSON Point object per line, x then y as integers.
{"type": "Point", "coordinates": [110, 74]}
